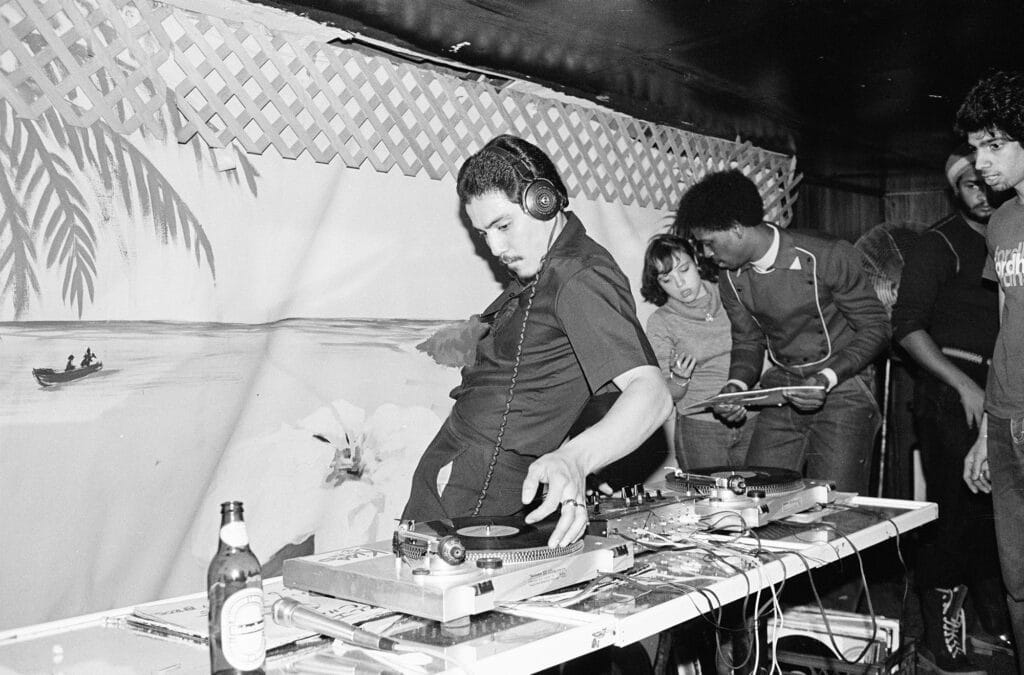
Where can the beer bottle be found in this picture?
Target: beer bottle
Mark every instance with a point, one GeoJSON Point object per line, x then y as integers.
{"type": "Point", "coordinates": [235, 590]}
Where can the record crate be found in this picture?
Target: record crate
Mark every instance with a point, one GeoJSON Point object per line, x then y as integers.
{"type": "Point", "coordinates": [903, 660]}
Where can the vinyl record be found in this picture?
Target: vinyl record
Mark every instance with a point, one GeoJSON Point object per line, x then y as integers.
{"type": "Point", "coordinates": [492, 533]}
{"type": "Point", "coordinates": [755, 476]}
{"type": "Point", "coordinates": [505, 538]}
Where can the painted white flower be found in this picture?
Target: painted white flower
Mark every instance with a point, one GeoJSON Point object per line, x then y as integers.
{"type": "Point", "coordinates": [280, 478]}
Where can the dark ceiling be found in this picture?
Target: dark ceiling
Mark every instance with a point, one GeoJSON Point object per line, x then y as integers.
{"type": "Point", "coordinates": [857, 89]}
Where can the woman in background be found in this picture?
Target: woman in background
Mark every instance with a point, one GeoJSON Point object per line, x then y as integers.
{"type": "Point", "coordinates": [692, 339]}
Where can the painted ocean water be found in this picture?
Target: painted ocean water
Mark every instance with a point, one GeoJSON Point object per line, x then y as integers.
{"type": "Point", "coordinates": [102, 480]}
{"type": "Point", "coordinates": [146, 360]}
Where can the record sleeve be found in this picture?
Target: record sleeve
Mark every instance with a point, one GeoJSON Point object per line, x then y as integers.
{"type": "Point", "coordinates": [754, 398]}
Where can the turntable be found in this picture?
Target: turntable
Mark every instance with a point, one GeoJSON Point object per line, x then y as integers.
{"type": "Point", "coordinates": [744, 498]}
{"type": "Point", "coordinates": [449, 569]}
{"type": "Point", "coordinates": [719, 498]}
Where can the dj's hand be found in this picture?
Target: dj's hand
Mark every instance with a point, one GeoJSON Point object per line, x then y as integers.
{"type": "Point", "coordinates": [567, 485]}
{"type": "Point", "coordinates": [730, 412]}
{"type": "Point", "coordinates": [809, 400]}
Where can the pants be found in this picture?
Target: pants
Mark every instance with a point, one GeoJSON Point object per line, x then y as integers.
{"type": "Point", "coordinates": [835, 442]}
{"type": "Point", "coordinates": [946, 559]}
{"type": "Point", "coordinates": [1006, 465]}
{"type": "Point", "coordinates": [702, 444]}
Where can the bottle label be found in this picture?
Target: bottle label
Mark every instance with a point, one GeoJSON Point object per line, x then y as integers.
{"type": "Point", "coordinates": [241, 629]}
{"type": "Point", "coordinates": [234, 534]}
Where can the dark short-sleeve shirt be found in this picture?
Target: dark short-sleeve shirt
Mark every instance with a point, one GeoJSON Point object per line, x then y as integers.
{"type": "Point", "coordinates": [582, 332]}
{"type": "Point", "coordinates": [942, 293]}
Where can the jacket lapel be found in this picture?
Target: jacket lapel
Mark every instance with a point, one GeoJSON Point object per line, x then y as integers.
{"type": "Point", "coordinates": [787, 258]}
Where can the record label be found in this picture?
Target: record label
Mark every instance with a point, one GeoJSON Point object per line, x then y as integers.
{"type": "Point", "coordinates": [487, 531]}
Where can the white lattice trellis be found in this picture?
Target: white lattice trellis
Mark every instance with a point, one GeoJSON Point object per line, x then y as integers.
{"type": "Point", "coordinates": [245, 82]}
{"type": "Point", "coordinates": [88, 61]}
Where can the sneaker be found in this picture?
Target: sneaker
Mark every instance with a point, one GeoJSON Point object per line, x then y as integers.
{"type": "Point", "coordinates": [988, 630]}
{"type": "Point", "coordinates": [987, 644]}
{"type": "Point", "coordinates": [945, 632]}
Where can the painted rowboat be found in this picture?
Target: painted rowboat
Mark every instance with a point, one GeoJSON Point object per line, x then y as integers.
{"type": "Point", "coordinates": [48, 377]}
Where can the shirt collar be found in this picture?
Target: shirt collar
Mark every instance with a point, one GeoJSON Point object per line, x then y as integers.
{"type": "Point", "coordinates": [766, 263]}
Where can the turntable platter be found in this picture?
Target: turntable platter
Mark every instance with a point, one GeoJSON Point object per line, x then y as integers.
{"type": "Point", "coordinates": [509, 538]}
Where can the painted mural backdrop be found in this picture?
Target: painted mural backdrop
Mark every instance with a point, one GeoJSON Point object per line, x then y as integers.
{"type": "Point", "coordinates": [112, 470]}
{"type": "Point", "coordinates": [260, 333]}
{"type": "Point", "coordinates": [111, 483]}
{"type": "Point", "coordinates": [227, 254]}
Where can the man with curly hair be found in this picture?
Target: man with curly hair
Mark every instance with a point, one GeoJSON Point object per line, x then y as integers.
{"type": "Point", "coordinates": [992, 118]}
{"type": "Point", "coordinates": [803, 298]}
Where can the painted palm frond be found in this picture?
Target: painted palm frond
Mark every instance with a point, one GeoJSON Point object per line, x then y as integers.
{"type": "Point", "coordinates": [54, 175]}
{"type": "Point", "coordinates": [243, 167]}
{"type": "Point", "coordinates": [126, 173]}
{"type": "Point", "coordinates": [45, 207]}
{"type": "Point", "coordinates": [69, 238]}
{"type": "Point", "coordinates": [17, 245]}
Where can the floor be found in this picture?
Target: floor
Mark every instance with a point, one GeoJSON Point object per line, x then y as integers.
{"type": "Point", "coordinates": [891, 595]}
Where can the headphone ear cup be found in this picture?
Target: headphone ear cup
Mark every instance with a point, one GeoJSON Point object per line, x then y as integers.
{"type": "Point", "coordinates": [541, 200]}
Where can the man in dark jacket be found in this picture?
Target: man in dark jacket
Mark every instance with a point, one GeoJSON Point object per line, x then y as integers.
{"type": "Point", "coordinates": [805, 299]}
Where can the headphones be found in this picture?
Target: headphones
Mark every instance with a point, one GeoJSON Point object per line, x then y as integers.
{"type": "Point", "coordinates": [541, 199]}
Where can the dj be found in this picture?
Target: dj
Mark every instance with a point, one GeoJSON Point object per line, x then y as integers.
{"type": "Point", "coordinates": [805, 298]}
{"type": "Point", "coordinates": [563, 330]}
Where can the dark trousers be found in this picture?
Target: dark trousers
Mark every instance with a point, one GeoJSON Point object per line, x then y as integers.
{"type": "Point", "coordinates": [960, 546]}
{"type": "Point", "coordinates": [835, 442]}
{"type": "Point", "coordinates": [1006, 463]}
